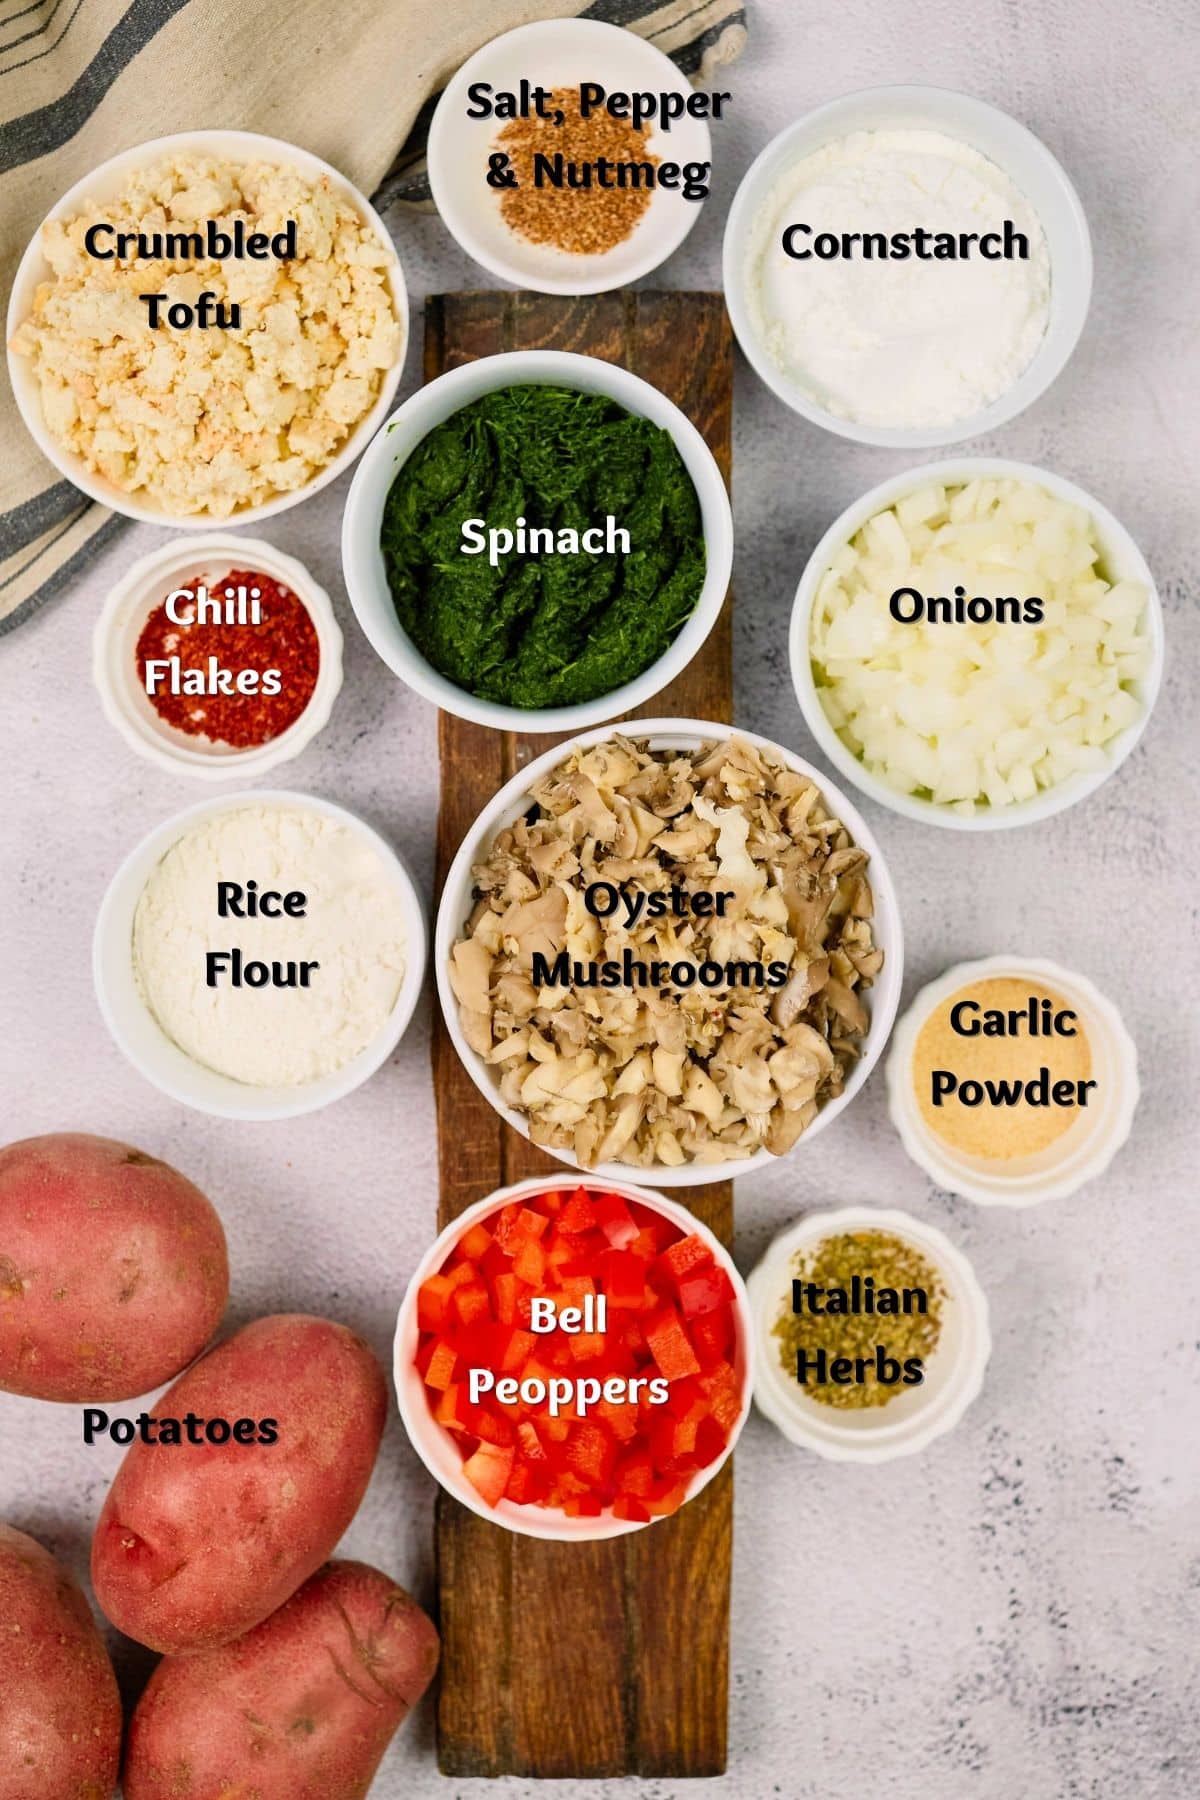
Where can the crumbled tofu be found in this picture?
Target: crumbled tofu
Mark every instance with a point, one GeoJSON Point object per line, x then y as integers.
{"type": "Point", "coordinates": [211, 421]}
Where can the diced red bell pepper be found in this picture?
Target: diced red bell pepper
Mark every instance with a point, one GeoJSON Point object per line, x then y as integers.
{"type": "Point", "coordinates": [475, 1243]}
{"type": "Point", "coordinates": [615, 1220]}
{"type": "Point", "coordinates": [591, 1452]}
{"type": "Point", "coordinates": [577, 1288]}
{"type": "Point", "coordinates": [626, 1507]}
{"type": "Point", "coordinates": [579, 1213]}
{"type": "Point", "coordinates": [704, 1290]}
{"type": "Point", "coordinates": [670, 1346]}
{"type": "Point", "coordinates": [488, 1470]}
{"type": "Point", "coordinates": [517, 1351]}
{"type": "Point", "coordinates": [454, 1408]}
{"type": "Point", "coordinates": [529, 1261]}
{"type": "Point", "coordinates": [721, 1386]}
{"type": "Point", "coordinates": [582, 1506]}
{"type": "Point", "coordinates": [504, 1226]}
{"type": "Point", "coordinates": [529, 1443]}
{"type": "Point", "coordinates": [667, 1498]}
{"type": "Point", "coordinates": [621, 1417]}
{"type": "Point", "coordinates": [440, 1371]}
{"type": "Point", "coordinates": [471, 1302]}
{"type": "Point", "coordinates": [433, 1302]}
{"type": "Point", "coordinates": [685, 1257]}
{"type": "Point", "coordinates": [644, 1245]}
{"type": "Point", "coordinates": [634, 1474]}
{"type": "Point", "coordinates": [505, 1289]}
{"type": "Point", "coordinates": [686, 1396]}
{"type": "Point", "coordinates": [526, 1485]}
{"type": "Point", "coordinates": [712, 1336]}
{"type": "Point", "coordinates": [624, 1278]}
{"type": "Point", "coordinates": [586, 1346]}
{"type": "Point", "coordinates": [493, 1428]}
{"type": "Point", "coordinates": [710, 1442]}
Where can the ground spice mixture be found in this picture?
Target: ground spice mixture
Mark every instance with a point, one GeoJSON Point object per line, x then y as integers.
{"type": "Point", "coordinates": [583, 220]}
{"type": "Point", "coordinates": [861, 1289]}
{"type": "Point", "coordinates": [285, 640]}
{"type": "Point", "coordinates": [1012, 1129]}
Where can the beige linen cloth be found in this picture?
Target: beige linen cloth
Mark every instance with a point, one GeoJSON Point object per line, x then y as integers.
{"type": "Point", "coordinates": [352, 81]}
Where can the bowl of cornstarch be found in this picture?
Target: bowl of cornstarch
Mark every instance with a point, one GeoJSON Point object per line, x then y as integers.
{"type": "Point", "coordinates": [260, 955]}
{"type": "Point", "coordinates": [907, 266]}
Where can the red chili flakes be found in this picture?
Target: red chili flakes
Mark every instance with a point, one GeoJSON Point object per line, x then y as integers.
{"type": "Point", "coordinates": [284, 640]}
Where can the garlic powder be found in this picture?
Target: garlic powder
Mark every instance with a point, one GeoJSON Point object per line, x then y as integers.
{"type": "Point", "coordinates": [352, 928]}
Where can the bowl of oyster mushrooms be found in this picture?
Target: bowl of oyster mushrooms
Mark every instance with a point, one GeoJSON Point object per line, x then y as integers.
{"type": "Point", "coordinates": [669, 951]}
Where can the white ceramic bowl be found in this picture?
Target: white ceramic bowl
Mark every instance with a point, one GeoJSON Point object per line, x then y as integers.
{"type": "Point", "coordinates": [140, 1037]}
{"type": "Point", "coordinates": [1121, 560]}
{"type": "Point", "coordinates": [1083, 1151]}
{"type": "Point", "coordinates": [917, 1415]}
{"type": "Point", "coordinates": [559, 53]}
{"type": "Point", "coordinates": [436, 1446]}
{"type": "Point", "coordinates": [1008, 144]}
{"type": "Point", "coordinates": [105, 182]}
{"type": "Point", "coordinates": [143, 588]}
{"type": "Point", "coordinates": [362, 557]}
{"type": "Point", "coordinates": [511, 802]}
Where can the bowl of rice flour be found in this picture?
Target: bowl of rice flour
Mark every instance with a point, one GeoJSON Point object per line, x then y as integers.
{"type": "Point", "coordinates": [907, 267]}
{"type": "Point", "coordinates": [260, 955]}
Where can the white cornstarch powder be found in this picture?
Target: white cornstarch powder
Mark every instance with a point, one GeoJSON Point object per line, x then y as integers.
{"type": "Point", "coordinates": [279, 1033]}
{"type": "Point", "coordinates": [899, 339]}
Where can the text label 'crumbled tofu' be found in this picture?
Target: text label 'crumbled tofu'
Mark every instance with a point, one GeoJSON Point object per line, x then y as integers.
{"type": "Point", "coordinates": [205, 420]}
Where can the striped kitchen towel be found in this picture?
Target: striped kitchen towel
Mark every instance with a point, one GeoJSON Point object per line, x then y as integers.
{"type": "Point", "coordinates": [82, 79]}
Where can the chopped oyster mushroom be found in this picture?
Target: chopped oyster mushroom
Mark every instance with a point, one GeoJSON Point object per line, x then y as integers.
{"type": "Point", "coordinates": [671, 1070]}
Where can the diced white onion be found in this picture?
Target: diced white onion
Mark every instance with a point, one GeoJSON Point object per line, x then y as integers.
{"type": "Point", "coordinates": [971, 715]}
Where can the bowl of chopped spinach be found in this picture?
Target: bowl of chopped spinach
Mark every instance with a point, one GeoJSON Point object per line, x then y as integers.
{"type": "Point", "coordinates": [537, 540]}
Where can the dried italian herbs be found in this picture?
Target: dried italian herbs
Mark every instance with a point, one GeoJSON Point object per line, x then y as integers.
{"type": "Point", "coordinates": [865, 1316]}
{"type": "Point", "coordinates": [545, 629]}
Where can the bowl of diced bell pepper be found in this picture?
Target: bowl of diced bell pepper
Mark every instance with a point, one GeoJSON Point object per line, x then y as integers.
{"type": "Point", "coordinates": [574, 1360]}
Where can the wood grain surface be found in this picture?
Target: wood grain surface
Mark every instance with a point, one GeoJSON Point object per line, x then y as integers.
{"type": "Point", "coordinates": [579, 1659]}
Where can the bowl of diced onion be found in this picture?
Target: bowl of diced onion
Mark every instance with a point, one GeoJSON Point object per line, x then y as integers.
{"type": "Point", "coordinates": [931, 679]}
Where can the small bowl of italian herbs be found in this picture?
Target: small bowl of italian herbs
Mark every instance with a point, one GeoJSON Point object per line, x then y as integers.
{"type": "Point", "coordinates": [871, 1334]}
{"type": "Point", "coordinates": [537, 541]}
{"type": "Point", "coordinates": [217, 655]}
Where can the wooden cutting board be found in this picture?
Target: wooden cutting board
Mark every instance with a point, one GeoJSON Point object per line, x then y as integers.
{"type": "Point", "coordinates": [579, 1659]}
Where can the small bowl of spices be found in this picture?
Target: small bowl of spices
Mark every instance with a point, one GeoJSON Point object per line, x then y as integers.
{"type": "Point", "coordinates": [570, 156]}
{"type": "Point", "coordinates": [217, 656]}
{"type": "Point", "coordinates": [538, 541]}
{"type": "Point", "coordinates": [1012, 1080]}
{"type": "Point", "coordinates": [872, 1334]}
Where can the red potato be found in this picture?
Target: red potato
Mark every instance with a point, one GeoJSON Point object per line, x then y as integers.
{"type": "Point", "coordinates": [113, 1269]}
{"type": "Point", "coordinates": [60, 1713]}
{"type": "Point", "coordinates": [197, 1543]}
{"type": "Point", "coordinates": [301, 1708]}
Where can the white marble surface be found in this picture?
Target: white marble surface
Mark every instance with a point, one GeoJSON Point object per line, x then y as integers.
{"type": "Point", "coordinates": [1014, 1614]}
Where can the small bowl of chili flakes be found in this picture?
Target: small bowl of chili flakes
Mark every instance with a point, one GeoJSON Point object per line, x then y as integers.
{"type": "Point", "coordinates": [217, 656]}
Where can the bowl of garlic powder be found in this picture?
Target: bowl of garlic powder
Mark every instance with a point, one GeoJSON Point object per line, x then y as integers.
{"type": "Point", "coordinates": [1012, 1080]}
{"type": "Point", "coordinates": [260, 955]}
{"type": "Point", "coordinates": [907, 266]}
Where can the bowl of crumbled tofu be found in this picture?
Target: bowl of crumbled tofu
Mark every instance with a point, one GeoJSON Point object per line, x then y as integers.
{"type": "Point", "coordinates": [208, 328]}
